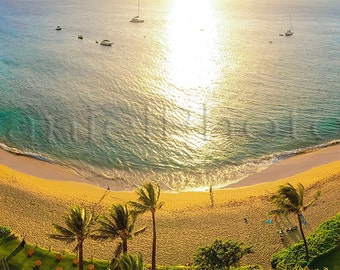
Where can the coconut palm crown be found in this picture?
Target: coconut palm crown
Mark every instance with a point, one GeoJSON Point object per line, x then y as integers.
{"type": "Point", "coordinates": [119, 224]}
{"type": "Point", "coordinates": [79, 223]}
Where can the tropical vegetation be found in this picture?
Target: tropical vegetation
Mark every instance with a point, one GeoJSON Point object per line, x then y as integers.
{"type": "Point", "coordinates": [322, 243]}
{"type": "Point", "coordinates": [148, 196]}
{"type": "Point", "coordinates": [220, 255]}
{"type": "Point", "coordinates": [119, 224]}
{"type": "Point", "coordinates": [128, 262]}
{"type": "Point", "coordinates": [79, 226]}
{"type": "Point", "coordinates": [16, 256]}
{"type": "Point", "coordinates": [290, 200]}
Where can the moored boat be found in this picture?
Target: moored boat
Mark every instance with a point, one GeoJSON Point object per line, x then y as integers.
{"type": "Point", "coordinates": [106, 42]}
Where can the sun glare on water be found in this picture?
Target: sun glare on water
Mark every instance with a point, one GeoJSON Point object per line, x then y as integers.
{"type": "Point", "coordinates": [191, 57]}
{"type": "Point", "coordinates": [192, 44]}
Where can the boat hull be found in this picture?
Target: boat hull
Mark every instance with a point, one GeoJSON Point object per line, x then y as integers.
{"type": "Point", "coordinates": [136, 20]}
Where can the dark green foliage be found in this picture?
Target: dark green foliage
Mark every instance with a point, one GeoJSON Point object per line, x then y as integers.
{"type": "Point", "coordinates": [325, 239]}
{"type": "Point", "coordinates": [177, 267]}
{"type": "Point", "coordinates": [4, 231]}
{"type": "Point", "coordinates": [17, 259]}
{"type": "Point", "coordinates": [248, 267]}
{"type": "Point", "coordinates": [4, 264]}
{"type": "Point", "coordinates": [330, 261]}
{"type": "Point", "coordinates": [119, 224]}
{"type": "Point", "coordinates": [220, 255]}
{"type": "Point", "coordinates": [128, 262]}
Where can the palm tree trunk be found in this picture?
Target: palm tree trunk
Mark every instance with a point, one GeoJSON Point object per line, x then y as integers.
{"type": "Point", "coordinates": [153, 267]}
{"type": "Point", "coordinates": [125, 247]}
{"type": "Point", "coordinates": [303, 238]}
{"type": "Point", "coordinates": [81, 256]}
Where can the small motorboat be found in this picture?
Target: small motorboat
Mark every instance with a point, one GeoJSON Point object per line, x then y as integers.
{"type": "Point", "coordinates": [58, 28]}
{"type": "Point", "coordinates": [106, 42]}
{"type": "Point", "coordinates": [80, 36]}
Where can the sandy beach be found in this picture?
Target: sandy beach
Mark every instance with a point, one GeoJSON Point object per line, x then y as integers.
{"type": "Point", "coordinates": [35, 194]}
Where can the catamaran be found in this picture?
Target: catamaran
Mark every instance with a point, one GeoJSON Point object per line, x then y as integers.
{"type": "Point", "coordinates": [289, 32]}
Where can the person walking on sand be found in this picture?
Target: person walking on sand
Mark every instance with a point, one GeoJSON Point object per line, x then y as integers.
{"type": "Point", "coordinates": [211, 196]}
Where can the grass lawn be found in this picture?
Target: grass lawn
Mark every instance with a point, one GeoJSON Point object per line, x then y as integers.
{"type": "Point", "coordinates": [18, 257]}
{"type": "Point", "coordinates": [331, 261]}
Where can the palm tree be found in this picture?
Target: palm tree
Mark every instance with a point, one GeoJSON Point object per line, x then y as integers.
{"type": "Point", "coordinates": [290, 200]}
{"type": "Point", "coordinates": [148, 196]}
{"type": "Point", "coordinates": [119, 224]}
{"type": "Point", "coordinates": [78, 227]}
{"type": "Point", "coordinates": [128, 262]}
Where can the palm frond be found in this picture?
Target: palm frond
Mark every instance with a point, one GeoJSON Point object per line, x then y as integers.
{"type": "Point", "coordinates": [63, 238]}
{"type": "Point", "coordinates": [63, 231]}
{"type": "Point", "coordinates": [288, 199]}
{"type": "Point", "coordinates": [315, 198]}
{"type": "Point", "coordinates": [119, 224]}
{"type": "Point", "coordinates": [148, 196]}
{"type": "Point", "coordinates": [118, 249]}
{"type": "Point", "coordinates": [78, 225]}
{"type": "Point", "coordinates": [139, 208]}
{"type": "Point", "coordinates": [278, 212]}
{"type": "Point", "coordinates": [160, 205]}
{"type": "Point", "coordinates": [139, 231]}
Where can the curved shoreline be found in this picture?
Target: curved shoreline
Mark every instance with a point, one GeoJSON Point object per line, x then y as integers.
{"type": "Point", "coordinates": [29, 205]}
{"type": "Point", "coordinates": [292, 166]}
{"type": "Point", "coordinates": [281, 169]}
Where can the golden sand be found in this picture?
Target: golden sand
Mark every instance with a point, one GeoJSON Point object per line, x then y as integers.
{"type": "Point", "coordinates": [29, 205]}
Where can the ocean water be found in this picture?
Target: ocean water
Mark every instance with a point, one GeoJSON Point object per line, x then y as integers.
{"type": "Point", "coordinates": [203, 92]}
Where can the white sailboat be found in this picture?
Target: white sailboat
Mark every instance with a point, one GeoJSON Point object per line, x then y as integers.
{"type": "Point", "coordinates": [136, 19]}
{"type": "Point", "coordinates": [289, 32]}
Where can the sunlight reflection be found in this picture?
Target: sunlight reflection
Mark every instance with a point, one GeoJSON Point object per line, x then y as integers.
{"type": "Point", "coordinates": [192, 63]}
{"type": "Point", "coordinates": [192, 44]}
{"type": "Point", "coordinates": [192, 50]}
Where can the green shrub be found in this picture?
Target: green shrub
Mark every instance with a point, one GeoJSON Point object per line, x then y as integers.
{"type": "Point", "coordinates": [5, 231]}
{"type": "Point", "coordinates": [248, 267]}
{"type": "Point", "coordinates": [325, 239]}
{"type": "Point", "coordinates": [176, 268]}
{"type": "Point", "coordinates": [128, 262]}
{"type": "Point", "coordinates": [220, 255]}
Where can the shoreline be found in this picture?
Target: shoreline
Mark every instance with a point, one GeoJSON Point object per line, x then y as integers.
{"type": "Point", "coordinates": [29, 206]}
{"type": "Point", "coordinates": [292, 166]}
{"type": "Point", "coordinates": [281, 169]}
{"type": "Point", "coordinates": [39, 168]}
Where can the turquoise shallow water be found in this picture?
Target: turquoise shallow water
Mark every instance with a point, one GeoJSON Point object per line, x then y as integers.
{"type": "Point", "coordinates": [187, 98]}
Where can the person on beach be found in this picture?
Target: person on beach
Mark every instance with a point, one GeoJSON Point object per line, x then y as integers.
{"type": "Point", "coordinates": [211, 196]}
